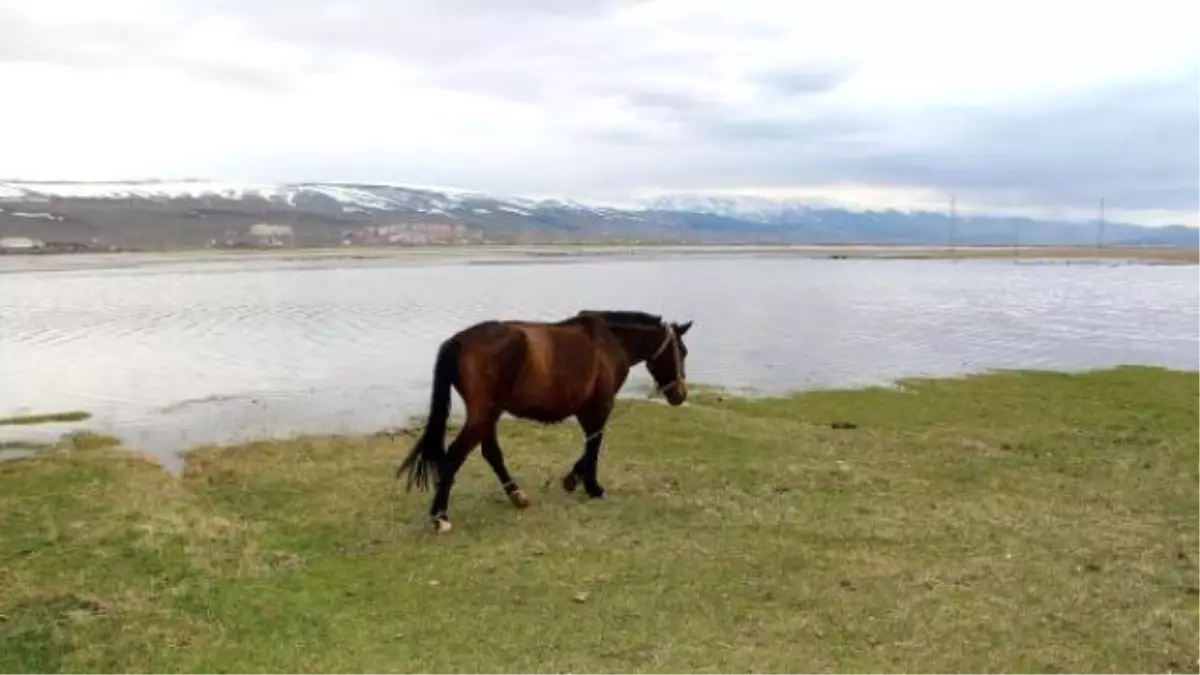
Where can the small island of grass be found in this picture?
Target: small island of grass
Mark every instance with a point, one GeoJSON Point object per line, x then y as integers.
{"type": "Point", "coordinates": [25, 445]}
{"type": "Point", "coordinates": [46, 418]}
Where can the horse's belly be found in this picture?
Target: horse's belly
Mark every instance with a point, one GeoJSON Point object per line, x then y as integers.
{"type": "Point", "coordinates": [540, 413]}
{"type": "Point", "coordinates": [543, 404]}
{"type": "Point", "coordinates": [548, 398]}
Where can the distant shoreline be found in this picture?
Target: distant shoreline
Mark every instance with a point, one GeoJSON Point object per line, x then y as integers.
{"type": "Point", "coordinates": [507, 252]}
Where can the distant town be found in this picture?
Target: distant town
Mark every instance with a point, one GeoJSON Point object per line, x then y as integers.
{"type": "Point", "coordinates": [269, 235]}
{"type": "Point", "coordinates": [274, 235]}
{"type": "Point", "coordinates": [31, 245]}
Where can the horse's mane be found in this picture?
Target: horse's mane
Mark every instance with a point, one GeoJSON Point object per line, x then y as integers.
{"type": "Point", "coordinates": [624, 317]}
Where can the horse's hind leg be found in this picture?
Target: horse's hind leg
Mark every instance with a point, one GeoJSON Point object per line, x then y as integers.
{"type": "Point", "coordinates": [472, 433]}
{"type": "Point", "coordinates": [495, 458]}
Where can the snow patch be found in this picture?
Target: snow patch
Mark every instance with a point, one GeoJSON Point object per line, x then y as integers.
{"type": "Point", "coordinates": [454, 193]}
{"type": "Point", "coordinates": [41, 216]}
{"type": "Point", "coordinates": [352, 196]}
{"type": "Point", "coordinates": [11, 192]}
{"type": "Point", "coordinates": [143, 189]}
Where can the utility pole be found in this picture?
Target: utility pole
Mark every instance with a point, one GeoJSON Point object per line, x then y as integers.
{"type": "Point", "coordinates": [953, 219]}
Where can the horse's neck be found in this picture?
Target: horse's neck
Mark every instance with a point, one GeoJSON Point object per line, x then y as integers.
{"type": "Point", "coordinates": [638, 342]}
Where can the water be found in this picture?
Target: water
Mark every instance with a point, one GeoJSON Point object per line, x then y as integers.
{"type": "Point", "coordinates": [169, 355]}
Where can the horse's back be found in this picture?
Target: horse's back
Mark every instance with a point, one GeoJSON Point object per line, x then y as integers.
{"type": "Point", "coordinates": [538, 361]}
{"type": "Point", "coordinates": [538, 370]}
{"type": "Point", "coordinates": [557, 351]}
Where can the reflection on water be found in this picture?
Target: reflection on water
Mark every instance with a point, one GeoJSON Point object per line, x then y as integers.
{"type": "Point", "coordinates": [169, 356]}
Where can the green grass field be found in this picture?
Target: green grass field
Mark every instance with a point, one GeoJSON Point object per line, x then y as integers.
{"type": "Point", "coordinates": [1009, 522]}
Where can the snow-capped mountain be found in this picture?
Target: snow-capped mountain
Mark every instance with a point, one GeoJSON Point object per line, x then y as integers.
{"type": "Point", "coordinates": [189, 213]}
{"type": "Point", "coordinates": [350, 196]}
{"type": "Point", "coordinates": [748, 207]}
{"type": "Point", "coordinates": [156, 213]}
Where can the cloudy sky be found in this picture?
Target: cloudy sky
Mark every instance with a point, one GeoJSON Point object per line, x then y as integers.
{"type": "Point", "coordinates": [1039, 107]}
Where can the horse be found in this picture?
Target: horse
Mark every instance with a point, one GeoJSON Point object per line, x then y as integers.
{"type": "Point", "coordinates": [540, 371]}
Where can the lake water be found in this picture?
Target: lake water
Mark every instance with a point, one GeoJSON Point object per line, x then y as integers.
{"type": "Point", "coordinates": [171, 354]}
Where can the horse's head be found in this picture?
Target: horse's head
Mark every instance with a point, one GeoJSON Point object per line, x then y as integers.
{"type": "Point", "coordinates": [666, 364]}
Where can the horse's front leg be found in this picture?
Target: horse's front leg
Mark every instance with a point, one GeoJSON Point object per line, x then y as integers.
{"type": "Point", "coordinates": [592, 422]}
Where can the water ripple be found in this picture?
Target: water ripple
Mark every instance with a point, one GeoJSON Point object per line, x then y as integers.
{"type": "Point", "coordinates": [184, 354]}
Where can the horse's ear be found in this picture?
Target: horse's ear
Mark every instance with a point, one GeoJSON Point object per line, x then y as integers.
{"type": "Point", "coordinates": [682, 329]}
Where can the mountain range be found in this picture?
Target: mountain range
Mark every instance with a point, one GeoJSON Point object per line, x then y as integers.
{"type": "Point", "coordinates": [158, 214]}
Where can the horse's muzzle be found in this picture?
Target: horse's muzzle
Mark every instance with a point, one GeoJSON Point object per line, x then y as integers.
{"type": "Point", "coordinates": [676, 393]}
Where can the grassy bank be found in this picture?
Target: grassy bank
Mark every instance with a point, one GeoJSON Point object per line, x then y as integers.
{"type": "Point", "coordinates": [1144, 254]}
{"type": "Point", "coordinates": [1012, 522]}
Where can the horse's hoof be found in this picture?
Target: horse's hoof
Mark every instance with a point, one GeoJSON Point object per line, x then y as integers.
{"type": "Point", "coordinates": [441, 526]}
{"type": "Point", "coordinates": [570, 482]}
{"type": "Point", "coordinates": [518, 499]}
{"type": "Point", "coordinates": [597, 493]}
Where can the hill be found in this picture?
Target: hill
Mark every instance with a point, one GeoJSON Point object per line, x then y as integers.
{"type": "Point", "coordinates": [200, 213]}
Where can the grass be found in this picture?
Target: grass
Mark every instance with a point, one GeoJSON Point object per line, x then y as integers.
{"type": "Point", "coordinates": [76, 440]}
{"type": "Point", "coordinates": [1009, 522]}
{"type": "Point", "coordinates": [46, 418]}
{"type": "Point", "coordinates": [24, 445]}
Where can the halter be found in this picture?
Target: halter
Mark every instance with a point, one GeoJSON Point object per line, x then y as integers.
{"type": "Point", "coordinates": [669, 339]}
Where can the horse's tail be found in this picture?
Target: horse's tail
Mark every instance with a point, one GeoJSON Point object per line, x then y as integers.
{"type": "Point", "coordinates": [426, 456]}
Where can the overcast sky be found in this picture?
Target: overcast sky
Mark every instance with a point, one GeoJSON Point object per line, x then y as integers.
{"type": "Point", "coordinates": [1023, 107]}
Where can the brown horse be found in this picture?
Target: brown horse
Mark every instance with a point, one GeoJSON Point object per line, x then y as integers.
{"type": "Point", "coordinates": [539, 371]}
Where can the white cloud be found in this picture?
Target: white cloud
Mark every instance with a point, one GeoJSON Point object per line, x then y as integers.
{"type": "Point", "coordinates": [906, 102]}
